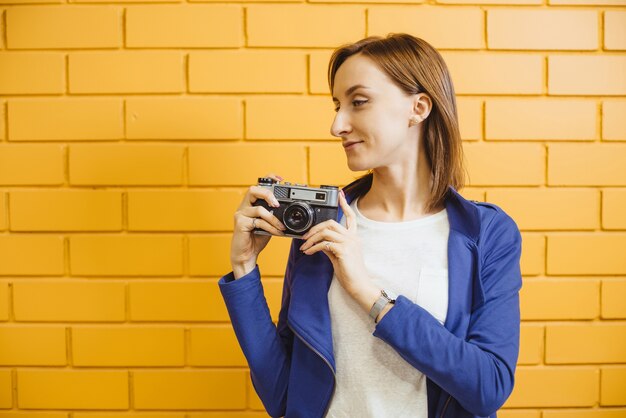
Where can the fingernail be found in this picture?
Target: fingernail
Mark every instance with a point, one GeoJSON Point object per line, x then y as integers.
{"type": "Point", "coordinates": [279, 177]}
{"type": "Point", "coordinates": [342, 193]}
{"type": "Point", "coordinates": [276, 203]}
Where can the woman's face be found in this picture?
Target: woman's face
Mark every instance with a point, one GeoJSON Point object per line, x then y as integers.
{"type": "Point", "coordinates": [376, 115]}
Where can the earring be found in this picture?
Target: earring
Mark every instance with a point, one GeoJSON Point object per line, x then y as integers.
{"type": "Point", "coordinates": [414, 120]}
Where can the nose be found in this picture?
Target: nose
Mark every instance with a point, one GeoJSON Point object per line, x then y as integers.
{"type": "Point", "coordinates": [340, 126]}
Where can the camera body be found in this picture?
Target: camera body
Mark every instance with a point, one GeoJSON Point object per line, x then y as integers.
{"type": "Point", "coordinates": [301, 207]}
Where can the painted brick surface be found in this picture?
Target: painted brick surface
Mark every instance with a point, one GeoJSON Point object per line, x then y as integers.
{"type": "Point", "coordinates": [130, 131]}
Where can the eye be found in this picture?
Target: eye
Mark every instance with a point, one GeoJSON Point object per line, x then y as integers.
{"type": "Point", "coordinates": [356, 103]}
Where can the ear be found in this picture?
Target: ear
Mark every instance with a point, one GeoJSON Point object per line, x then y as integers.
{"type": "Point", "coordinates": [422, 105]}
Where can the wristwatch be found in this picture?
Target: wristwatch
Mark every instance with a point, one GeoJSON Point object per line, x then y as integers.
{"type": "Point", "coordinates": [386, 296]}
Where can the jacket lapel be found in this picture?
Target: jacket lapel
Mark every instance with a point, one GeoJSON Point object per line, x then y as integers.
{"type": "Point", "coordinates": [309, 312]}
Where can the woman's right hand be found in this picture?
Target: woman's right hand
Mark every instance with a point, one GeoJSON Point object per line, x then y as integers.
{"type": "Point", "coordinates": [246, 245]}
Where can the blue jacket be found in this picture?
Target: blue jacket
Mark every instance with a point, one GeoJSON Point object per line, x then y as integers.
{"type": "Point", "coordinates": [469, 361]}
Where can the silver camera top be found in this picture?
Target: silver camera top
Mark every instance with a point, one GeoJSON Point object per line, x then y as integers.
{"type": "Point", "coordinates": [287, 192]}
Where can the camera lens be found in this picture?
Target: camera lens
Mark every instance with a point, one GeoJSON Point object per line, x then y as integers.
{"type": "Point", "coordinates": [298, 216]}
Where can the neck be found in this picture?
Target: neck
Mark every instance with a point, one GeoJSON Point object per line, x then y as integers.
{"type": "Point", "coordinates": [397, 194]}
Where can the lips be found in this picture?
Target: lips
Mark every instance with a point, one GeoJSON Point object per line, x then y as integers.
{"type": "Point", "coordinates": [347, 144]}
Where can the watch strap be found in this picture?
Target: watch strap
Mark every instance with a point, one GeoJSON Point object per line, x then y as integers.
{"type": "Point", "coordinates": [385, 298]}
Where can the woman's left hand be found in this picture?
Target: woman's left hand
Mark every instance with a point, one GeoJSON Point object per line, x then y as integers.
{"type": "Point", "coordinates": [343, 250]}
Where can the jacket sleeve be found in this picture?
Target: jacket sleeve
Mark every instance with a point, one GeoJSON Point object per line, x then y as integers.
{"type": "Point", "coordinates": [267, 348]}
{"type": "Point", "coordinates": [477, 371]}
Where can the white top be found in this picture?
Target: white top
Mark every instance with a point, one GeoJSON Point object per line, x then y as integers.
{"type": "Point", "coordinates": [411, 259]}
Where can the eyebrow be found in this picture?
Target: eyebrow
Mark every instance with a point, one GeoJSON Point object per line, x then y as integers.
{"type": "Point", "coordinates": [351, 89]}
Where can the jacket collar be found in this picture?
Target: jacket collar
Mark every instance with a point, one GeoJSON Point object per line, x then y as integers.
{"type": "Point", "coordinates": [309, 313]}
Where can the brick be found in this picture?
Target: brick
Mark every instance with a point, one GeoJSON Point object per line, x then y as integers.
{"type": "Point", "coordinates": [126, 165]}
{"type": "Point", "coordinates": [209, 255]}
{"type": "Point", "coordinates": [533, 258]}
{"type": "Point", "coordinates": [612, 384]}
{"type": "Point", "coordinates": [229, 71]}
{"type": "Point", "coordinates": [65, 119]}
{"type": "Point", "coordinates": [273, 259]}
{"type": "Point", "coordinates": [182, 210]}
{"type": "Point", "coordinates": [4, 301]}
{"type": "Point", "coordinates": [586, 253]}
{"type": "Point", "coordinates": [73, 210]}
{"type": "Point", "coordinates": [184, 26]}
{"type": "Point", "coordinates": [254, 402]}
{"type": "Point", "coordinates": [505, 164]}
{"type": "Point", "coordinates": [98, 255]}
{"type": "Point", "coordinates": [560, 299]}
{"type": "Point", "coordinates": [22, 346]}
{"type": "Point", "coordinates": [2, 45]}
{"type": "Point", "coordinates": [613, 208]}
{"type": "Point", "coordinates": [613, 125]}
{"type": "Point", "coordinates": [129, 415]}
{"type": "Point", "coordinates": [213, 164]}
{"type": "Point", "coordinates": [276, 118]}
{"type": "Point", "coordinates": [72, 389]}
{"type": "Point", "coordinates": [582, 413]}
{"type": "Point", "coordinates": [493, 73]}
{"type": "Point", "coordinates": [588, 2]}
{"type": "Point", "coordinates": [6, 389]}
{"type": "Point", "coordinates": [204, 352]}
{"type": "Point", "coordinates": [615, 30]}
{"type": "Point", "coordinates": [68, 301]}
{"type": "Point", "coordinates": [31, 164]}
{"type": "Point", "coordinates": [602, 165]}
{"type": "Point", "coordinates": [126, 72]}
{"type": "Point", "coordinates": [508, 413]}
{"type": "Point", "coordinates": [64, 27]}
{"type": "Point", "coordinates": [31, 254]}
{"type": "Point", "coordinates": [586, 343]}
{"type": "Point", "coordinates": [328, 165]}
{"type": "Point", "coordinates": [128, 346]}
{"type": "Point", "coordinates": [177, 301]}
{"type": "Point", "coordinates": [3, 210]}
{"type": "Point", "coordinates": [30, 414]}
{"type": "Point", "coordinates": [3, 114]}
{"type": "Point", "coordinates": [568, 74]}
{"type": "Point", "coordinates": [231, 414]}
{"type": "Point", "coordinates": [555, 387]}
{"type": "Point", "coordinates": [304, 25]}
{"type": "Point", "coordinates": [32, 73]}
{"type": "Point", "coordinates": [318, 71]}
{"type": "Point", "coordinates": [475, 2]}
{"type": "Point", "coordinates": [516, 28]}
{"type": "Point", "coordinates": [531, 344]}
{"type": "Point", "coordinates": [552, 119]}
{"type": "Point", "coordinates": [468, 23]}
{"type": "Point", "coordinates": [470, 112]}
{"type": "Point", "coordinates": [189, 389]}
{"type": "Point", "coordinates": [184, 118]}
{"type": "Point", "coordinates": [613, 297]}
{"type": "Point", "coordinates": [549, 208]}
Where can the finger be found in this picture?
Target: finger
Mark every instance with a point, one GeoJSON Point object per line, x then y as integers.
{"type": "Point", "coordinates": [262, 213]}
{"type": "Point", "coordinates": [347, 210]}
{"type": "Point", "coordinates": [329, 224]}
{"type": "Point", "coordinates": [325, 235]}
{"type": "Point", "coordinates": [266, 226]}
{"type": "Point", "coordinates": [331, 237]}
{"type": "Point", "coordinates": [275, 176]}
{"type": "Point", "coordinates": [259, 192]}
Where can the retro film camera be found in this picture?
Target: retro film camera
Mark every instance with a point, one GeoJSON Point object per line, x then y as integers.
{"type": "Point", "coordinates": [301, 207]}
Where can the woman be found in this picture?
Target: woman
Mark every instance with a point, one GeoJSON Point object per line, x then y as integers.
{"type": "Point", "coordinates": [433, 276]}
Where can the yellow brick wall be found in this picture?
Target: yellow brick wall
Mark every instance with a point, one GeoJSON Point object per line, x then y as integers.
{"type": "Point", "coordinates": [130, 130]}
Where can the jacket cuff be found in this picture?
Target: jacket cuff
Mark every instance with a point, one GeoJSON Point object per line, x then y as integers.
{"type": "Point", "coordinates": [229, 286]}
